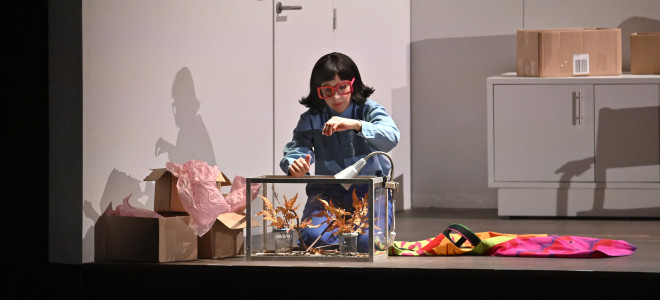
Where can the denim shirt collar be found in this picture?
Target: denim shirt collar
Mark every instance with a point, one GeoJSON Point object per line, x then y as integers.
{"type": "Point", "coordinates": [348, 113]}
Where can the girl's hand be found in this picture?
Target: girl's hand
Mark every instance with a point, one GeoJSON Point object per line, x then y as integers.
{"type": "Point", "coordinates": [300, 166]}
{"type": "Point", "coordinates": [336, 124]}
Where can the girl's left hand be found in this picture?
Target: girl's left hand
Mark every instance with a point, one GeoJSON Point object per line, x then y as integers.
{"type": "Point", "coordinates": [336, 124]}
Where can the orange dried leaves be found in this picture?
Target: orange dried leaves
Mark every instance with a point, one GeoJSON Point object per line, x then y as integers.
{"type": "Point", "coordinates": [345, 221]}
{"type": "Point", "coordinates": [283, 217]}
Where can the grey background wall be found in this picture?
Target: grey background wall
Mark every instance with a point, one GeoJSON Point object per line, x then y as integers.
{"type": "Point", "coordinates": [455, 46]}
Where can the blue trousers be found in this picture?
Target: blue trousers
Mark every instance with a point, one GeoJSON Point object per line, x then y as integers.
{"type": "Point", "coordinates": [341, 198]}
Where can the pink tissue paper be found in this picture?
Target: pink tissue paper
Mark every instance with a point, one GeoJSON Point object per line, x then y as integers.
{"type": "Point", "coordinates": [200, 195]}
{"type": "Point", "coordinates": [126, 209]}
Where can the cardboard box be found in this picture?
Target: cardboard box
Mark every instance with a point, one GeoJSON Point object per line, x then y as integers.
{"type": "Point", "coordinates": [225, 238]}
{"type": "Point", "coordinates": [645, 53]}
{"type": "Point", "coordinates": [166, 196]}
{"type": "Point", "coordinates": [138, 239]}
{"type": "Point", "coordinates": [568, 52]}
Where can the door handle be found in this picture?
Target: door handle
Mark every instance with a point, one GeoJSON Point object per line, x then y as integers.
{"type": "Point", "coordinates": [279, 7]}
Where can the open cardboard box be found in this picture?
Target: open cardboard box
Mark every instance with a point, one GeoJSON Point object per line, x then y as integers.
{"type": "Point", "coordinates": [568, 52]}
{"type": "Point", "coordinates": [225, 238]}
{"type": "Point", "coordinates": [166, 196]}
{"type": "Point", "coordinates": [140, 239]}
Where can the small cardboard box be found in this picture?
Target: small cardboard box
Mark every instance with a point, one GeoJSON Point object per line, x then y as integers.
{"type": "Point", "coordinates": [568, 52]}
{"type": "Point", "coordinates": [225, 238]}
{"type": "Point", "coordinates": [139, 239]}
{"type": "Point", "coordinates": [645, 53]}
{"type": "Point", "coordinates": [166, 196]}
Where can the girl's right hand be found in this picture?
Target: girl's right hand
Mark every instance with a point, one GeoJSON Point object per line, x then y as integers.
{"type": "Point", "coordinates": [300, 166]}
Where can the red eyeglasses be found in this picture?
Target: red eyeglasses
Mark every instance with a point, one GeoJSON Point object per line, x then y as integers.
{"type": "Point", "coordinates": [342, 88]}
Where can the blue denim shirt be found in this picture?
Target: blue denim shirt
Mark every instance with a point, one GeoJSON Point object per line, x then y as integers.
{"type": "Point", "coordinates": [332, 154]}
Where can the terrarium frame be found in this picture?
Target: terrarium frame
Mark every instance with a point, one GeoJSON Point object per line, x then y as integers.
{"type": "Point", "coordinates": [258, 249]}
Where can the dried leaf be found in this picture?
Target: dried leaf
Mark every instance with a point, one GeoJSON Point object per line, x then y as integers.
{"type": "Point", "coordinates": [340, 220]}
{"type": "Point", "coordinates": [282, 217]}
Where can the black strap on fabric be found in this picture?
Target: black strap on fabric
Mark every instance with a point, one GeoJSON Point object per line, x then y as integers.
{"type": "Point", "coordinates": [466, 234]}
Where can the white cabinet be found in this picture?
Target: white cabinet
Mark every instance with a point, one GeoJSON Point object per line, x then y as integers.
{"type": "Point", "coordinates": [575, 146]}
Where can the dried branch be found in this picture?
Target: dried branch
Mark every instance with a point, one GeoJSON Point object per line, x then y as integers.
{"type": "Point", "coordinates": [341, 221]}
{"type": "Point", "coordinates": [282, 217]}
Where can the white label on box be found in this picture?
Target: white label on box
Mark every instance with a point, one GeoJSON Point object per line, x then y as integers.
{"type": "Point", "coordinates": [580, 64]}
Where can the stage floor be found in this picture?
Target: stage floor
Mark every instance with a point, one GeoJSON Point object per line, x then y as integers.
{"type": "Point", "coordinates": [419, 224]}
{"type": "Point", "coordinates": [628, 274]}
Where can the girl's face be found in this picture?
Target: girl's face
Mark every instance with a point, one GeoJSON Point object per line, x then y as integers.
{"type": "Point", "coordinates": [338, 103]}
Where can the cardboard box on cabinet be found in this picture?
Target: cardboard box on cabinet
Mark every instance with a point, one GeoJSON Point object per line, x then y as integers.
{"type": "Point", "coordinates": [225, 238]}
{"type": "Point", "coordinates": [166, 197]}
{"type": "Point", "coordinates": [568, 52]}
{"type": "Point", "coordinates": [645, 53]}
{"type": "Point", "coordinates": [140, 239]}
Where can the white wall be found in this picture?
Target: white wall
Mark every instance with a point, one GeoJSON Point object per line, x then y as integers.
{"type": "Point", "coordinates": [131, 56]}
{"type": "Point", "coordinates": [142, 57]}
{"type": "Point", "coordinates": [178, 80]}
{"type": "Point", "coordinates": [455, 46]}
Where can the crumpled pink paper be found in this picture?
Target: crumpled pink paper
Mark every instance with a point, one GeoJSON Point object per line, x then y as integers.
{"type": "Point", "coordinates": [237, 194]}
{"type": "Point", "coordinates": [200, 195]}
{"type": "Point", "coordinates": [126, 209]}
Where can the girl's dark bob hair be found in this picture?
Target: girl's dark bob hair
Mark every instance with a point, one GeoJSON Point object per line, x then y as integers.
{"type": "Point", "coordinates": [325, 69]}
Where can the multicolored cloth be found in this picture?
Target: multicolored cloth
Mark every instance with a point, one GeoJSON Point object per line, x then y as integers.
{"type": "Point", "coordinates": [459, 240]}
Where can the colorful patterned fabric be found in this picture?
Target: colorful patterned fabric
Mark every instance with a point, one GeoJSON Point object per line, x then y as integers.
{"type": "Point", "coordinates": [562, 246]}
{"type": "Point", "coordinates": [459, 240]}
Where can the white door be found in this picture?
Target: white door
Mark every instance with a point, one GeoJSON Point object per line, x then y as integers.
{"type": "Point", "coordinates": [301, 36]}
{"type": "Point", "coordinates": [374, 33]}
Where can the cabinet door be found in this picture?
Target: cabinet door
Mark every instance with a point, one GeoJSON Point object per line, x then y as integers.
{"type": "Point", "coordinates": [543, 133]}
{"type": "Point", "coordinates": [627, 135]}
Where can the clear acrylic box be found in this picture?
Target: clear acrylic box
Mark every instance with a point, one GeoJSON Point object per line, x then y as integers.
{"type": "Point", "coordinates": [263, 242]}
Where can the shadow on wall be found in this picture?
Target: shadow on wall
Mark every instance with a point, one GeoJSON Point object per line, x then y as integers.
{"type": "Point", "coordinates": [630, 26]}
{"type": "Point", "coordinates": [397, 197]}
{"type": "Point", "coordinates": [448, 123]}
{"type": "Point", "coordinates": [118, 186]}
{"type": "Point", "coordinates": [626, 138]}
{"type": "Point", "coordinates": [193, 142]}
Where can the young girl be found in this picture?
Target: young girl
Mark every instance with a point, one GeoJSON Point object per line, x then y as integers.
{"type": "Point", "coordinates": [341, 126]}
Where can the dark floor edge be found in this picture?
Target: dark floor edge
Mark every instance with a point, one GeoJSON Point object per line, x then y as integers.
{"type": "Point", "coordinates": [149, 281]}
{"type": "Point", "coordinates": [181, 280]}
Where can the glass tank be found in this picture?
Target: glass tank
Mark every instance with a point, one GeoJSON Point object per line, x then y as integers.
{"type": "Point", "coordinates": [346, 218]}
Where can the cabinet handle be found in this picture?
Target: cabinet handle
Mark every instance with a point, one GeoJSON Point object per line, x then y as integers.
{"type": "Point", "coordinates": [577, 105]}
